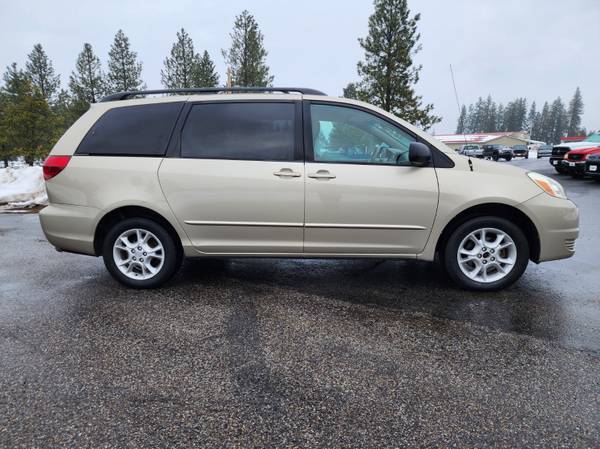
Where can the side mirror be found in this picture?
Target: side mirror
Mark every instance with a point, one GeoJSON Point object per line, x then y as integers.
{"type": "Point", "coordinates": [419, 154]}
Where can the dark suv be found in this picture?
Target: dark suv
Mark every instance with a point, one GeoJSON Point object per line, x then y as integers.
{"type": "Point", "coordinates": [520, 151]}
{"type": "Point", "coordinates": [496, 152]}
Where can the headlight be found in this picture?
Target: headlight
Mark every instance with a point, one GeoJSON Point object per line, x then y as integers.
{"type": "Point", "coordinates": [548, 185]}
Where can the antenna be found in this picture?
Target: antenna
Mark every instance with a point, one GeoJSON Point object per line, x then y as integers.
{"type": "Point", "coordinates": [458, 106]}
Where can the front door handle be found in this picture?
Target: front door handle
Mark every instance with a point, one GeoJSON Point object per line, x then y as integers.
{"type": "Point", "coordinates": [321, 174]}
{"type": "Point", "coordinates": [287, 173]}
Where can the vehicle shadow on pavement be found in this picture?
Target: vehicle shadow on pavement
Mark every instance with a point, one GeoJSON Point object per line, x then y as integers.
{"type": "Point", "coordinates": [405, 286]}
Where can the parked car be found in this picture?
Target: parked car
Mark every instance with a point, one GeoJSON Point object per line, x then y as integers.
{"type": "Point", "coordinates": [520, 151]}
{"type": "Point", "coordinates": [544, 151]}
{"type": "Point", "coordinates": [559, 151]}
{"type": "Point", "coordinates": [273, 172]}
{"type": "Point", "coordinates": [471, 150]}
{"type": "Point", "coordinates": [496, 152]}
{"type": "Point", "coordinates": [592, 166]}
{"type": "Point", "coordinates": [574, 161]}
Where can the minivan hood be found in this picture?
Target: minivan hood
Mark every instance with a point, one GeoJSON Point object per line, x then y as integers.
{"type": "Point", "coordinates": [484, 166]}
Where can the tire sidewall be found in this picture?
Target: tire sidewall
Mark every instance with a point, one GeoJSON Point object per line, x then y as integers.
{"type": "Point", "coordinates": [451, 250]}
{"type": "Point", "coordinates": [171, 261]}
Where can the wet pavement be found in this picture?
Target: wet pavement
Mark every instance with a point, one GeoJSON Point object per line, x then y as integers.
{"type": "Point", "coordinates": [293, 353]}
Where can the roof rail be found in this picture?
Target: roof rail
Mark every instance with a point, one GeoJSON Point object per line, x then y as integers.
{"type": "Point", "coordinates": [210, 90]}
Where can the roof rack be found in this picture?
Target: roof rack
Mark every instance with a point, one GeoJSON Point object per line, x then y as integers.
{"type": "Point", "coordinates": [210, 90]}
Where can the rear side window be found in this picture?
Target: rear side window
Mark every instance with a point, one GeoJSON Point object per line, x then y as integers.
{"type": "Point", "coordinates": [246, 131]}
{"type": "Point", "coordinates": [142, 130]}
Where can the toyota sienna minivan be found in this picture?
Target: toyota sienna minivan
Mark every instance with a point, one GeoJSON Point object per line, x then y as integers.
{"type": "Point", "coordinates": [287, 172]}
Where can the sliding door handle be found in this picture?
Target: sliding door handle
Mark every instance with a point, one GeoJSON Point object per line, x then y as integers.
{"type": "Point", "coordinates": [321, 174]}
{"type": "Point", "coordinates": [287, 173]}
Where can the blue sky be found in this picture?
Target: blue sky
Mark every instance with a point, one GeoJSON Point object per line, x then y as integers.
{"type": "Point", "coordinates": [529, 48]}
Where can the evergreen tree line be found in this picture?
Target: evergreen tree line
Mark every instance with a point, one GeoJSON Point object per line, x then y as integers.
{"type": "Point", "coordinates": [35, 109]}
{"type": "Point", "coordinates": [553, 121]}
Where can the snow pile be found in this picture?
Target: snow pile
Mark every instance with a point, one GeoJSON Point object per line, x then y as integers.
{"type": "Point", "coordinates": [22, 187]}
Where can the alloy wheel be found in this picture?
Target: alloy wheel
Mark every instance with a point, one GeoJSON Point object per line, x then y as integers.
{"type": "Point", "coordinates": [487, 255]}
{"type": "Point", "coordinates": [138, 254]}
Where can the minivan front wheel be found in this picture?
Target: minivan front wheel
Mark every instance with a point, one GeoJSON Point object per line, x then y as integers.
{"type": "Point", "coordinates": [140, 253]}
{"type": "Point", "coordinates": [486, 253]}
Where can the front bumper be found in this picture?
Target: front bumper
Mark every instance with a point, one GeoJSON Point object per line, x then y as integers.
{"type": "Point", "coordinates": [557, 223]}
{"type": "Point", "coordinates": [592, 169]}
{"type": "Point", "coordinates": [70, 228]}
{"type": "Point", "coordinates": [556, 162]}
{"type": "Point", "coordinates": [574, 168]}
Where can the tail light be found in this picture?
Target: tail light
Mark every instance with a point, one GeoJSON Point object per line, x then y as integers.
{"type": "Point", "coordinates": [53, 165]}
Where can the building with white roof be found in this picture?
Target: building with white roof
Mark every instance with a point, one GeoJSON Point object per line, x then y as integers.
{"type": "Point", "coordinates": [509, 139]}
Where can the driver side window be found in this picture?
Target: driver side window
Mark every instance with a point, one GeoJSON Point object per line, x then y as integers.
{"type": "Point", "coordinates": [344, 134]}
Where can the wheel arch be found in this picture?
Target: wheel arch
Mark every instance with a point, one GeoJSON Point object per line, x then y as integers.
{"type": "Point", "coordinates": [497, 210]}
{"type": "Point", "coordinates": [121, 213]}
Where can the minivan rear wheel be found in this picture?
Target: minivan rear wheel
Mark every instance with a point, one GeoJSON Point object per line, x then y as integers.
{"type": "Point", "coordinates": [140, 253]}
{"type": "Point", "coordinates": [486, 253]}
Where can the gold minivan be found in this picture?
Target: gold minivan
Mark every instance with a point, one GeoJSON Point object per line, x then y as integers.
{"type": "Point", "coordinates": [289, 172]}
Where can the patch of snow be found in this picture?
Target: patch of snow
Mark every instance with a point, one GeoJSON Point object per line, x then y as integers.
{"type": "Point", "coordinates": [22, 187]}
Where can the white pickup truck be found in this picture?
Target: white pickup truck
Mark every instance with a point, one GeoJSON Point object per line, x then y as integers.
{"type": "Point", "coordinates": [471, 150]}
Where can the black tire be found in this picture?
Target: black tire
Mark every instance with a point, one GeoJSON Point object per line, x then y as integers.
{"type": "Point", "coordinates": [495, 156]}
{"type": "Point", "coordinates": [508, 158]}
{"type": "Point", "coordinates": [451, 250]}
{"type": "Point", "coordinates": [171, 252]}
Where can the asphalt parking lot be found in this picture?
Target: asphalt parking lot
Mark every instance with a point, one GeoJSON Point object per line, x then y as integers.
{"type": "Point", "coordinates": [292, 353]}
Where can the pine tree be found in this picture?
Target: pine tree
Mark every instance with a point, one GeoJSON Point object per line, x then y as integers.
{"type": "Point", "coordinates": [531, 119]}
{"type": "Point", "coordinates": [477, 124]}
{"type": "Point", "coordinates": [28, 126]}
{"type": "Point", "coordinates": [521, 114]}
{"type": "Point", "coordinates": [86, 83]}
{"type": "Point", "coordinates": [462, 121]}
{"type": "Point", "coordinates": [351, 91]}
{"type": "Point", "coordinates": [14, 80]}
{"type": "Point", "coordinates": [559, 119]}
{"type": "Point", "coordinates": [500, 117]}
{"type": "Point", "coordinates": [545, 130]}
{"type": "Point", "coordinates": [40, 71]}
{"type": "Point", "coordinates": [470, 125]}
{"type": "Point", "coordinates": [388, 72]}
{"type": "Point", "coordinates": [575, 112]}
{"type": "Point", "coordinates": [206, 75]}
{"type": "Point", "coordinates": [181, 67]}
{"type": "Point", "coordinates": [67, 109]}
{"type": "Point", "coordinates": [247, 54]}
{"type": "Point", "coordinates": [515, 115]}
{"type": "Point", "coordinates": [124, 70]}
{"type": "Point", "coordinates": [489, 120]}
